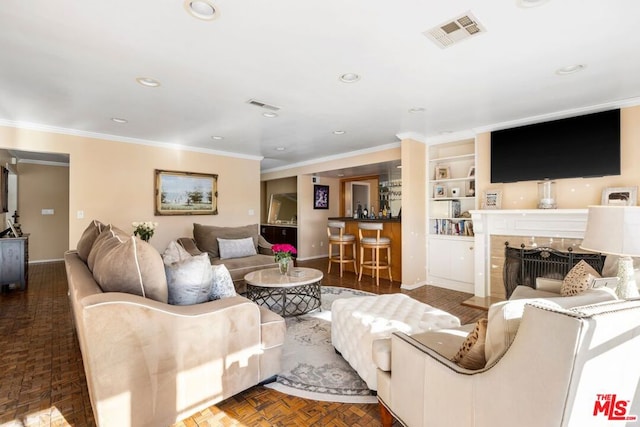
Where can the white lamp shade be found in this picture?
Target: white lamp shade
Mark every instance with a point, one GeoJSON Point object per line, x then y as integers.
{"type": "Point", "coordinates": [613, 230]}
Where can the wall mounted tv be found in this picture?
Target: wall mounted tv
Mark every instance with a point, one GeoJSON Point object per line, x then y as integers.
{"type": "Point", "coordinates": [582, 146]}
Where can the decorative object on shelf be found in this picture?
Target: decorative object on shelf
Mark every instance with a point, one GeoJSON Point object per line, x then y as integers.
{"type": "Point", "coordinates": [547, 195]}
{"type": "Point", "coordinates": [620, 196]}
{"type": "Point", "coordinates": [442, 172]}
{"type": "Point", "coordinates": [472, 189]}
{"type": "Point", "coordinates": [439, 191]}
{"type": "Point", "coordinates": [186, 193]}
{"type": "Point", "coordinates": [144, 229]}
{"type": "Point", "coordinates": [455, 192]}
{"type": "Point", "coordinates": [615, 230]}
{"type": "Point", "coordinates": [492, 199]}
{"type": "Point", "coordinates": [472, 172]}
{"type": "Point", "coordinates": [320, 196]}
{"type": "Point", "coordinates": [283, 254]}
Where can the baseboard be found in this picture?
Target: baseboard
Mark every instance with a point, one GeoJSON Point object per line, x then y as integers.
{"type": "Point", "coordinates": [413, 286]}
{"type": "Point", "coordinates": [45, 261]}
{"type": "Point", "coordinates": [312, 257]}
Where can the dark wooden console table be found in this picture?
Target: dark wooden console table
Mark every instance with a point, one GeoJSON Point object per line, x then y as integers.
{"type": "Point", "coordinates": [522, 265]}
{"type": "Point", "coordinates": [14, 261]}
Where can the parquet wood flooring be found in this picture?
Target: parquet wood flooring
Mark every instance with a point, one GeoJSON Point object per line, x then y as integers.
{"type": "Point", "coordinates": [42, 380]}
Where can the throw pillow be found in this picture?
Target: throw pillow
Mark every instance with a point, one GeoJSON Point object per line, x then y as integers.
{"type": "Point", "coordinates": [89, 236]}
{"type": "Point", "coordinates": [471, 353]}
{"type": "Point", "coordinates": [236, 248]}
{"type": "Point", "coordinates": [130, 265]}
{"type": "Point", "coordinates": [577, 280]}
{"type": "Point", "coordinates": [174, 253]}
{"type": "Point", "coordinates": [222, 284]}
{"type": "Point", "coordinates": [189, 280]}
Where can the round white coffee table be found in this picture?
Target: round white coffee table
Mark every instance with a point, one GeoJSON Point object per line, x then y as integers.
{"type": "Point", "coordinates": [291, 294]}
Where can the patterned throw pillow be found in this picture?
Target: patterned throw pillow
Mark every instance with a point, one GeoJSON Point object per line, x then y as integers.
{"type": "Point", "coordinates": [577, 280]}
{"type": "Point", "coordinates": [236, 248]}
{"type": "Point", "coordinates": [471, 353]}
{"type": "Point", "coordinates": [189, 280]}
{"type": "Point", "coordinates": [222, 284]}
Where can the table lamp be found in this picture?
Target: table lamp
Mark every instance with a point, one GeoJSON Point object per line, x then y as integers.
{"type": "Point", "coordinates": [615, 230]}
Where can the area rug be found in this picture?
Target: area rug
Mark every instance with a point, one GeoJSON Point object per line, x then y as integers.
{"type": "Point", "coordinates": [310, 366]}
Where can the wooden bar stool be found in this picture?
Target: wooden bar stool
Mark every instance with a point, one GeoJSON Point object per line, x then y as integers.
{"type": "Point", "coordinates": [335, 231]}
{"type": "Point", "coordinates": [375, 244]}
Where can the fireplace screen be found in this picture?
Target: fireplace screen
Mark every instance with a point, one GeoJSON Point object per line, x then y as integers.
{"type": "Point", "coordinates": [522, 266]}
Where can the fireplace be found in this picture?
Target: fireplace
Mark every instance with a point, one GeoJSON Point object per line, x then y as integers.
{"type": "Point", "coordinates": [523, 265]}
{"type": "Point", "coordinates": [559, 229]}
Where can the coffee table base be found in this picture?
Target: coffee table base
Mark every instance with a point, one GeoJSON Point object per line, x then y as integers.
{"type": "Point", "coordinates": [287, 301]}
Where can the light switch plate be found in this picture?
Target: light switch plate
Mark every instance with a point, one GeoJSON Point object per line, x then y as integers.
{"type": "Point", "coordinates": [47, 211]}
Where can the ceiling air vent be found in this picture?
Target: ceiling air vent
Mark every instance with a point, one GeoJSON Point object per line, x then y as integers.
{"type": "Point", "coordinates": [455, 30]}
{"type": "Point", "coordinates": [263, 105]}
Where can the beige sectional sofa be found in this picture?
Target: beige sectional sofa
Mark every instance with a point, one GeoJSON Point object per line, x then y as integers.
{"type": "Point", "coordinates": [148, 363]}
{"type": "Point", "coordinates": [205, 239]}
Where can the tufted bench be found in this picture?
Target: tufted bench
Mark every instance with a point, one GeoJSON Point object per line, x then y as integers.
{"type": "Point", "coordinates": [357, 322]}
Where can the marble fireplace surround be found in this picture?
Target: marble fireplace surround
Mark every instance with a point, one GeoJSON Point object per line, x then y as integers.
{"type": "Point", "coordinates": [542, 225]}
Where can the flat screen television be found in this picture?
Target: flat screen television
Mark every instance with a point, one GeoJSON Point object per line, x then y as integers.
{"type": "Point", "coordinates": [582, 146]}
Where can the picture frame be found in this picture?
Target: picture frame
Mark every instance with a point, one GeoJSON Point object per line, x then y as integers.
{"type": "Point", "coordinates": [492, 199]}
{"type": "Point", "coordinates": [620, 196]}
{"type": "Point", "coordinates": [442, 172]}
{"type": "Point", "coordinates": [472, 172]}
{"type": "Point", "coordinates": [320, 196]}
{"type": "Point", "coordinates": [439, 191]}
{"type": "Point", "coordinates": [185, 193]}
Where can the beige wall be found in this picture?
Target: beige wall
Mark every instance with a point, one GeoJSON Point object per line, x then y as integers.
{"type": "Point", "coordinates": [44, 187]}
{"type": "Point", "coordinates": [414, 214]}
{"type": "Point", "coordinates": [114, 182]}
{"type": "Point", "coordinates": [570, 193]}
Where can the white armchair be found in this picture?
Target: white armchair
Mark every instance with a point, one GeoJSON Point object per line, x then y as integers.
{"type": "Point", "coordinates": [565, 367]}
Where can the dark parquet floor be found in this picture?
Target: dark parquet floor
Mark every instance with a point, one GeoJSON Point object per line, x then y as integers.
{"type": "Point", "coordinates": [42, 380]}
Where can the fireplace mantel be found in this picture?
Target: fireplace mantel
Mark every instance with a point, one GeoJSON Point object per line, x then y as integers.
{"type": "Point", "coordinates": [554, 223]}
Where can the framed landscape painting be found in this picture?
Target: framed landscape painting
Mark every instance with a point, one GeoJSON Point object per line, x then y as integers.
{"type": "Point", "coordinates": [186, 193]}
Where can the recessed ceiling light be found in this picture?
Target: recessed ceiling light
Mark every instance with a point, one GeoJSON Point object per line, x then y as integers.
{"type": "Point", "coordinates": [399, 167]}
{"type": "Point", "coordinates": [201, 9]}
{"type": "Point", "coordinates": [416, 110]}
{"type": "Point", "coordinates": [339, 132]}
{"type": "Point", "coordinates": [270, 115]}
{"type": "Point", "coordinates": [119, 120]}
{"type": "Point", "coordinates": [530, 3]}
{"type": "Point", "coordinates": [570, 69]}
{"type": "Point", "coordinates": [340, 175]}
{"type": "Point", "coordinates": [217, 137]}
{"type": "Point", "coordinates": [148, 82]}
{"type": "Point", "coordinates": [280, 148]}
{"type": "Point", "coordinates": [349, 77]}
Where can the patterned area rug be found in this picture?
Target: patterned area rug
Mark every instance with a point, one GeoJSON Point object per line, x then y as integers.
{"type": "Point", "coordinates": [310, 367]}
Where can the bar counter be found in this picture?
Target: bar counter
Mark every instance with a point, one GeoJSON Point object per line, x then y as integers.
{"type": "Point", "coordinates": [392, 228]}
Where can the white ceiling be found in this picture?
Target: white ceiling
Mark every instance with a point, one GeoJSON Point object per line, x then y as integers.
{"type": "Point", "coordinates": [72, 65]}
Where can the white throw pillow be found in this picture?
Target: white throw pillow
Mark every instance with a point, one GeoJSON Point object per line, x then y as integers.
{"type": "Point", "coordinates": [189, 280]}
{"type": "Point", "coordinates": [221, 283]}
{"type": "Point", "coordinates": [236, 248]}
{"type": "Point", "coordinates": [174, 253]}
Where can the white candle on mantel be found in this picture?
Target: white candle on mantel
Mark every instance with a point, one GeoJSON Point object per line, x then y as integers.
{"type": "Point", "coordinates": [546, 196]}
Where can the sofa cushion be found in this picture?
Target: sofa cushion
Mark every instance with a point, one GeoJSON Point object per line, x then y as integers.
{"type": "Point", "coordinates": [130, 265]}
{"type": "Point", "coordinates": [577, 279]}
{"type": "Point", "coordinates": [189, 280]}
{"type": "Point", "coordinates": [221, 282]}
{"type": "Point", "coordinates": [108, 231]}
{"type": "Point", "coordinates": [87, 239]}
{"type": "Point", "coordinates": [471, 353]}
{"type": "Point", "coordinates": [236, 248]}
{"type": "Point", "coordinates": [206, 236]}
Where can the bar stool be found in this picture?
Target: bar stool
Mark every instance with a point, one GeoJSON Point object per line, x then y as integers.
{"type": "Point", "coordinates": [338, 237]}
{"type": "Point", "coordinates": [375, 244]}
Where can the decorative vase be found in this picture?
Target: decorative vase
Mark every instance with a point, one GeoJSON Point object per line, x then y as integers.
{"type": "Point", "coordinates": [283, 264]}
